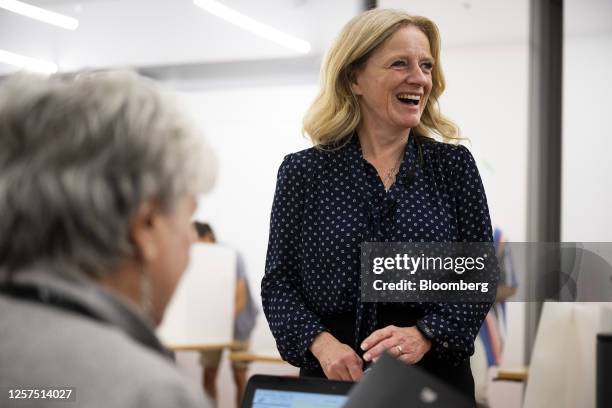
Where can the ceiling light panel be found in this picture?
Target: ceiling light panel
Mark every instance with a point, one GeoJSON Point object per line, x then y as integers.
{"type": "Point", "coordinates": [41, 14]}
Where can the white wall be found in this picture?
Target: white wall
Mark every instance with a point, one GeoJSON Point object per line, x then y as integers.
{"type": "Point", "coordinates": [587, 135]}
{"type": "Point", "coordinates": [487, 96]}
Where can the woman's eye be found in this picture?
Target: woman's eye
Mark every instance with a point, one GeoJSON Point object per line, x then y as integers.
{"type": "Point", "coordinates": [398, 63]}
{"type": "Point", "coordinates": [428, 66]}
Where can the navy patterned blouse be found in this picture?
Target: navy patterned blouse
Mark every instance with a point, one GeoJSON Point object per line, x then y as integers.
{"type": "Point", "coordinates": [328, 202]}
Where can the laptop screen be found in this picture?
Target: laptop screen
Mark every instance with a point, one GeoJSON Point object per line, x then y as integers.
{"type": "Point", "coordinates": [268, 391]}
{"type": "Point", "coordinates": [266, 398]}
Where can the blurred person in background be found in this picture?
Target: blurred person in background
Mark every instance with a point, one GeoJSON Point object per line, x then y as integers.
{"type": "Point", "coordinates": [492, 336]}
{"type": "Point", "coordinates": [245, 315]}
{"type": "Point", "coordinates": [98, 179]}
{"type": "Point", "coordinates": [376, 173]}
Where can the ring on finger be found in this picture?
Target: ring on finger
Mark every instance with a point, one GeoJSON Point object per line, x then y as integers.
{"type": "Point", "coordinates": [399, 350]}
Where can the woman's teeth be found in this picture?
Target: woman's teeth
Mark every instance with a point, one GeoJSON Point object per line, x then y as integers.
{"type": "Point", "coordinates": [409, 98]}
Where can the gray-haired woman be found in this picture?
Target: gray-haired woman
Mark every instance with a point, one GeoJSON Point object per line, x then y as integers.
{"type": "Point", "coordinates": [98, 176]}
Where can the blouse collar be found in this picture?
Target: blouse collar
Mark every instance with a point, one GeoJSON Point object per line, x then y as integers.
{"type": "Point", "coordinates": [353, 155]}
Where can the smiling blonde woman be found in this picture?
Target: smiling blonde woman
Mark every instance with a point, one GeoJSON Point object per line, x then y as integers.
{"type": "Point", "coordinates": [375, 173]}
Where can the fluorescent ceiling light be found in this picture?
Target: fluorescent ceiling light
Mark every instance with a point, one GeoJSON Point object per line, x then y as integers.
{"type": "Point", "coordinates": [247, 23]}
{"type": "Point", "coordinates": [41, 14]}
{"type": "Point", "coordinates": [30, 64]}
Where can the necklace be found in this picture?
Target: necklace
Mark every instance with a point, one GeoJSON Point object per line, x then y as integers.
{"type": "Point", "coordinates": [389, 178]}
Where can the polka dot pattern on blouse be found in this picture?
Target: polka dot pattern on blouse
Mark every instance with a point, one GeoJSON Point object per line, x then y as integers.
{"type": "Point", "coordinates": [328, 202]}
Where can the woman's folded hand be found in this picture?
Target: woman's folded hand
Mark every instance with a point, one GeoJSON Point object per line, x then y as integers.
{"type": "Point", "coordinates": [406, 343]}
{"type": "Point", "coordinates": [338, 360]}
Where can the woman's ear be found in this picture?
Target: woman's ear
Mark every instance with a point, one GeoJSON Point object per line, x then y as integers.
{"type": "Point", "coordinates": [143, 231]}
{"type": "Point", "coordinates": [353, 81]}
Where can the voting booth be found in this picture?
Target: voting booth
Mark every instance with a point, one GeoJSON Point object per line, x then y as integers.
{"type": "Point", "coordinates": [200, 314]}
{"type": "Point", "coordinates": [562, 371]}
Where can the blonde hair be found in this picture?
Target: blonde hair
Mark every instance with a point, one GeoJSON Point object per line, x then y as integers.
{"type": "Point", "coordinates": [334, 115]}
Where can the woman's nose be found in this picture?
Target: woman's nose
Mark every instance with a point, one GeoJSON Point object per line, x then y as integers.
{"type": "Point", "coordinates": [415, 75]}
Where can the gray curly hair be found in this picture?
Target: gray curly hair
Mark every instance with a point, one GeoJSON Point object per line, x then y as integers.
{"type": "Point", "coordinates": [78, 157]}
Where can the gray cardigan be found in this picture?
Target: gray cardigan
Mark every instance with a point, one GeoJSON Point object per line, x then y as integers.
{"type": "Point", "coordinates": [92, 342]}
